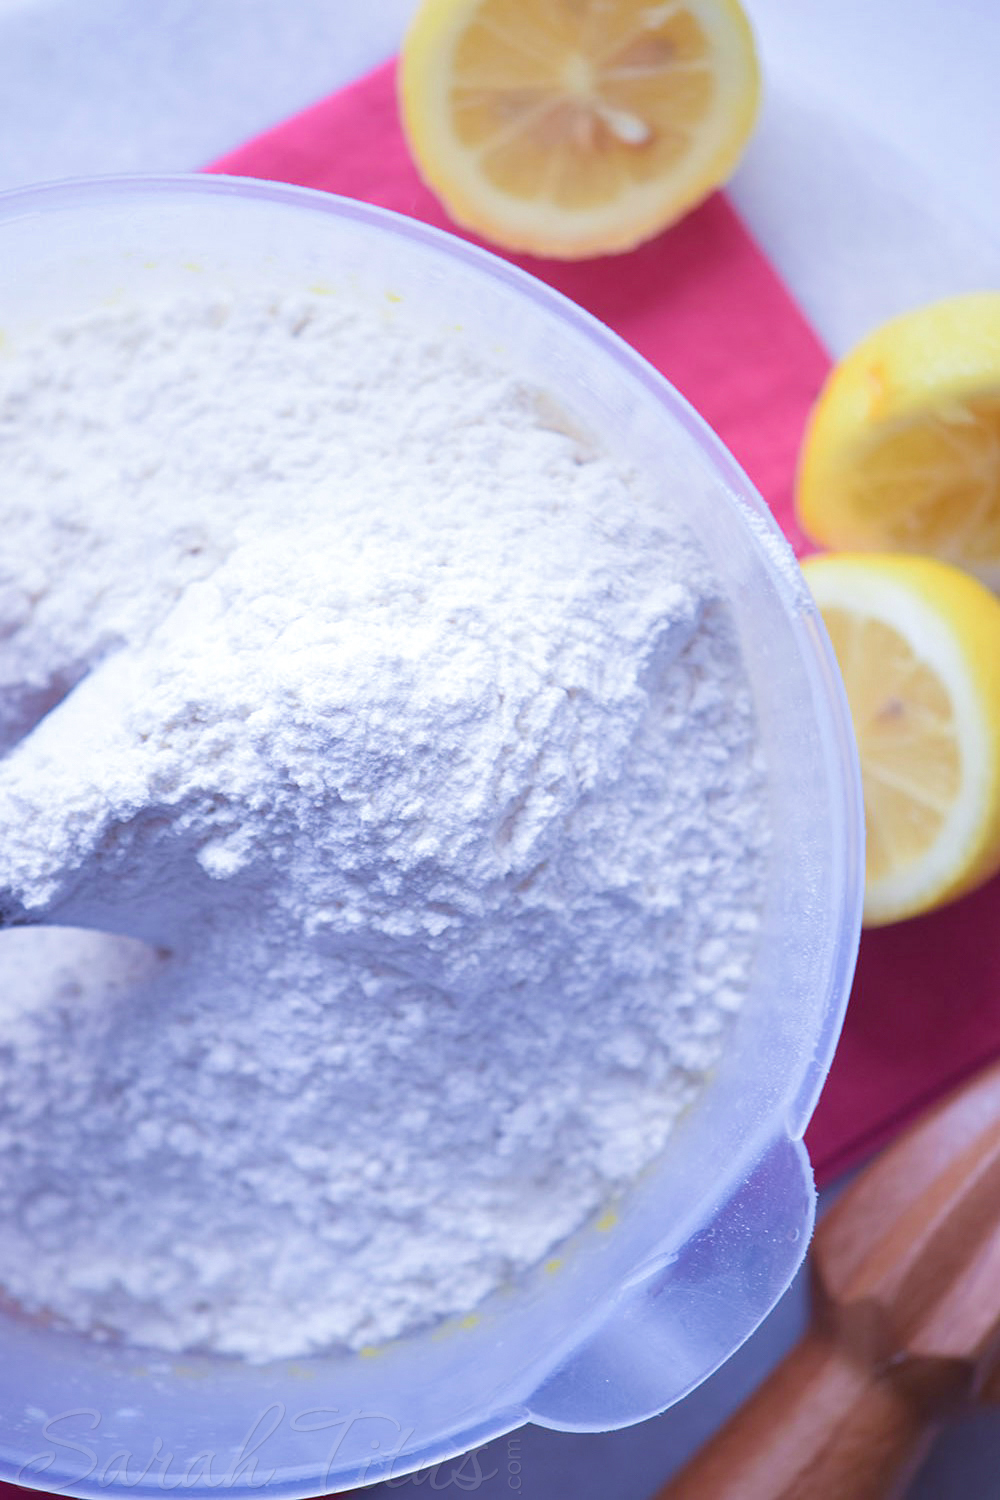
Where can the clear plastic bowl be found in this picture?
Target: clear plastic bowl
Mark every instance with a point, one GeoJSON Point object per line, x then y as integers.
{"type": "Point", "coordinates": [709, 1238]}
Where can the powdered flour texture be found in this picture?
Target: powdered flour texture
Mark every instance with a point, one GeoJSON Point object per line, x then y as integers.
{"type": "Point", "coordinates": [410, 736]}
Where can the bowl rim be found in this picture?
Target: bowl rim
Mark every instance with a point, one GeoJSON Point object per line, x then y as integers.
{"type": "Point", "coordinates": [834, 730]}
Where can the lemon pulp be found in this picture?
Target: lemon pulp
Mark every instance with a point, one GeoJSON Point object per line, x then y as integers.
{"type": "Point", "coordinates": [570, 127]}
{"type": "Point", "coordinates": [918, 645]}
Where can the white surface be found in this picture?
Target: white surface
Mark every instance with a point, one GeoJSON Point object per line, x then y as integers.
{"type": "Point", "coordinates": [92, 86]}
{"type": "Point", "coordinates": [871, 182]}
{"type": "Point", "coordinates": [872, 178]}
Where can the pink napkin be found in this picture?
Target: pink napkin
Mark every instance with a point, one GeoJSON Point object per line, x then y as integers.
{"type": "Point", "coordinates": [704, 306]}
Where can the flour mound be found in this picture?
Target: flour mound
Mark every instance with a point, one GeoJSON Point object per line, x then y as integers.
{"type": "Point", "coordinates": [413, 734]}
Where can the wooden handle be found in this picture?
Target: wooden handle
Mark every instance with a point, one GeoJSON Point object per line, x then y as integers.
{"type": "Point", "coordinates": [906, 1324]}
{"type": "Point", "coordinates": [818, 1429]}
{"type": "Point", "coordinates": [990, 1393]}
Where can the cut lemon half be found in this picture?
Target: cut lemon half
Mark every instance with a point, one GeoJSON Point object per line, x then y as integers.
{"type": "Point", "coordinates": [572, 128]}
{"type": "Point", "coordinates": [902, 452]}
{"type": "Point", "coordinates": [918, 644]}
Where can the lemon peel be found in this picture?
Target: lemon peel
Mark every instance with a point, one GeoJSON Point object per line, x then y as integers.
{"type": "Point", "coordinates": [902, 451]}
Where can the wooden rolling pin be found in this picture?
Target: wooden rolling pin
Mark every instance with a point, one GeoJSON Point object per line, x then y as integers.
{"type": "Point", "coordinates": [905, 1327]}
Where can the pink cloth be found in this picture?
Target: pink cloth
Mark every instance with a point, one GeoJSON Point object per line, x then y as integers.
{"type": "Point", "coordinates": [704, 306]}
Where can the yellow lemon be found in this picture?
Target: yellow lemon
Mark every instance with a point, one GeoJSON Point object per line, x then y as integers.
{"type": "Point", "coordinates": [572, 128]}
{"type": "Point", "coordinates": [902, 452]}
{"type": "Point", "coordinates": [918, 643]}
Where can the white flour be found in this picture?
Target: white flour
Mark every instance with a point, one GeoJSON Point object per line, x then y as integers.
{"type": "Point", "coordinates": [416, 738]}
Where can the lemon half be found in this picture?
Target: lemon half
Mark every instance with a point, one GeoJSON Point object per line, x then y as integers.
{"type": "Point", "coordinates": [572, 128]}
{"type": "Point", "coordinates": [902, 452]}
{"type": "Point", "coordinates": [918, 644]}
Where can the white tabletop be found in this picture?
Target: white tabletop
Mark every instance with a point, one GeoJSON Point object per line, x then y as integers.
{"type": "Point", "coordinates": [872, 183]}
